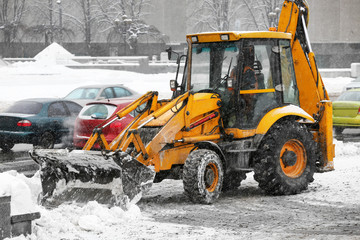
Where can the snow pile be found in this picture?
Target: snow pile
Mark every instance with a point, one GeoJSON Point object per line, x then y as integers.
{"type": "Point", "coordinates": [23, 191]}
{"type": "Point", "coordinates": [91, 219]}
{"type": "Point", "coordinates": [54, 54]}
{"type": "Point", "coordinates": [343, 149]}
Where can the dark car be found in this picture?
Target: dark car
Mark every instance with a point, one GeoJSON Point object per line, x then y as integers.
{"type": "Point", "coordinates": [91, 93]}
{"type": "Point", "coordinates": [94, 114]}
{"type": "Point", "coordinates": [41, 122]}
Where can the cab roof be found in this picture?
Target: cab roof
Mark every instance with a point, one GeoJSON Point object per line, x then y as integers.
{"type": "Point", "coordinates": [234, 36]}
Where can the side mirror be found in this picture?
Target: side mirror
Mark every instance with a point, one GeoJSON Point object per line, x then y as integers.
{"type": "Point", "coordinates": [173, 85]}
{"type": "Point", "coordinates": [169, 51]}
{"type": "Point", "coordinates": [230, 84]}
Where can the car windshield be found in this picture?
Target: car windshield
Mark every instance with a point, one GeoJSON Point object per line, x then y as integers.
{"type": "Point", "coordinates": [83, 93]}
{"type": "Point", "coordinates": [211, 63]}
{"type": "Point", "coordinates": [349, 96]}
{"type": "Point", "coordinates": [25, 107]}
{"type": "Point", "coordinates": [97, 111]}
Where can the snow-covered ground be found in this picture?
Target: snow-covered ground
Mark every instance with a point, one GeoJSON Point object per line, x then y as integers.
{"type": "Point", "coordinates": [94, 221]}
{"type": "Point", "coordinates": [338, 190]}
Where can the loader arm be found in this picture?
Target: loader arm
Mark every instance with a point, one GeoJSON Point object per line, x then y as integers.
{"type": "Point", "coordinates": [97, 135]}
{"type": "Point", "coordinates": [130, 135]}
{"type": "Point", "coordinates": [313, 95]}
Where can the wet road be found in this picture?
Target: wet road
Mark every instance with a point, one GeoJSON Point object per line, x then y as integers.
{"type": "Point", "coordinates": [349, 135]}
{"type": "Point", "coordinates": [18, 159]}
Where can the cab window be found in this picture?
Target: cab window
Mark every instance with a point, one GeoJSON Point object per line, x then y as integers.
{"type": "Point", "coordinates": [289, 87]}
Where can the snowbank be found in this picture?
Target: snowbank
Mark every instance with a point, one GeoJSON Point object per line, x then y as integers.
{"type": "Point", "coordinates": [91, 219]}
{"type": "Point", "coordinates": [23, 191]}
{"type": "Point", "coordinates": [334, 189]}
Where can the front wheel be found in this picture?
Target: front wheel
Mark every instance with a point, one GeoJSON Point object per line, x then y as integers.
{"type": "Point", "coordinates": [203, 176]}
{"type": "Point", "coordinates": [285, 161]}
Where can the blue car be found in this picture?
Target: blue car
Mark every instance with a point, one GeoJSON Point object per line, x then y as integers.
{"type": "Point", "coordinates": [41, 122]}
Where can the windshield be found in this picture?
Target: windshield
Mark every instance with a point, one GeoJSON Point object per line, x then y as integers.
{"type": "Point", "coordinates": [349, 96]}
{"type": "Point", "coordinates": [97, 111]}
{"type": "Point", "coordinates": [83, 93]}
{"type": "Point", "coordinates": [211, 62]}
{"type": "Point", "coordinates": [25, 107]}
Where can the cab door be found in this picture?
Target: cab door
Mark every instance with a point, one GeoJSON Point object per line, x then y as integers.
{"type": "Point", "coordinates": [258, 77]}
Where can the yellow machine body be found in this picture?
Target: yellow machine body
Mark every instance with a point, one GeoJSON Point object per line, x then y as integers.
{"type": "Point", "coordinates": [248, 101]}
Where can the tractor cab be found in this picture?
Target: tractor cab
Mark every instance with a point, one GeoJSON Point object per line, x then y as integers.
{"type": "Point", "coordinates": [251, 75]}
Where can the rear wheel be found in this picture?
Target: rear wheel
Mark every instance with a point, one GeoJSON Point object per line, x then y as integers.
{"type": "Point", "coordinates": [203, 176]}
{"type": "Point", "coordinates": [6, 146]}
{"type": "Point", "coordinates": [285, 161]}
{"type": "Point", "coordinates": [47, 141]}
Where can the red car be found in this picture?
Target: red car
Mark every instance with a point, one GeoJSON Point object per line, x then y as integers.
{"type": "Point", "coordinates": [95, 113]}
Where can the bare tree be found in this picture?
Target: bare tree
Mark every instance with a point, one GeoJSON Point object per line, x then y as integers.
{"type": "Point", "coordinates": [11, 15]}
{"type": "Point", "coordinates": [85, 20]}
{"type": "Point", "coordinates": [266, 12]}
{"type": "Point", "coordinates": [50, 23]}
{"type": "Point", "coordinates": [122, 19]}
{"type": "Point", "coordinates": [212, 15]}
{"type": "Point", "coordinates": [220, 15]}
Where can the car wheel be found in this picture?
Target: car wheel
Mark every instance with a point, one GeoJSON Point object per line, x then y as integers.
{"type": "Point", "coordinates": [47, 140]}
{"type": "Point", "coordinates": [6, 146]}
{"type": "Point", "coordinates": [338, 130]}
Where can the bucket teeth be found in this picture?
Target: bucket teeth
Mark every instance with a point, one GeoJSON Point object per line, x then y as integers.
{"type": "Point", "coordinates": [82, 176]}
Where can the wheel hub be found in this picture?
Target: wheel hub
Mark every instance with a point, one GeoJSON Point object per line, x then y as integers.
{"type": "Point", "coordinates": [293, 159]}
{"type": "Point", "coordinates": [209, 177]}
{"type": "Point", "coordinates": [289, 158]}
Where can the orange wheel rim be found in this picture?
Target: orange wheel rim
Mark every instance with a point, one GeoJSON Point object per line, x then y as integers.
{"type": "Point", "coordinates": [293, 158]}
{"type": "Point", "coordinates": [211, 177]}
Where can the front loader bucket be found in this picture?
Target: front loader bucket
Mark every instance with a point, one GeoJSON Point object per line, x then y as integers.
{"type": "Point", "coordinates": [81, 176]}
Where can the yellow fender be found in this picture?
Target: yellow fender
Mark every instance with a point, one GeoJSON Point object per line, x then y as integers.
{"type": "Point", "coordinates": [274, 115]}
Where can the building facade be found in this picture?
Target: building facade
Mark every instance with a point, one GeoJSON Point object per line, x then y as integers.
{"type": "Point", "coordinates": [333, 30]}
{"type": "Point", "coordinates": [333, 27]}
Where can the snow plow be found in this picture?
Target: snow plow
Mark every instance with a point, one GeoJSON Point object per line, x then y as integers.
{"type": "Point", "coordinates": [248, 101]}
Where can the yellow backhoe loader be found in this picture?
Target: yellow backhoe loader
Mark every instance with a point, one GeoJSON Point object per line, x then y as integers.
{"type": "Point", "coordinates": [247, 101]}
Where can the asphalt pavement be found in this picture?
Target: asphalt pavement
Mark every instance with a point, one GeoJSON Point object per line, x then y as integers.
{"type": "Point", "coordinates": [18, 159]}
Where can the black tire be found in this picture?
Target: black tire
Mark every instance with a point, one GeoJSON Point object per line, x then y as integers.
{"type": "Point", "coordinates": [47, 141]}
{"type": "Point", "coordinates": [233, 180]}
{"type": "Point", "coordinates": [203, 176]}
{"type": "Point", "coordinates": [285, 160]}
{"type": "Point", "coordinates": [6, 146]}
{"type": "Point", "coordinates": [338, 130]}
